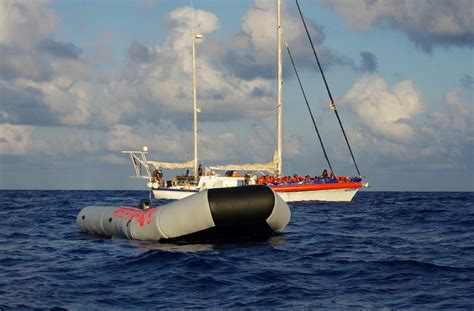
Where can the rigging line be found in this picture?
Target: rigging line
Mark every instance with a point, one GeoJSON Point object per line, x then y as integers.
{"type": "Point", "coordinates": [333, 105]}
{"type": "Point", "coordinates": [309, 108]}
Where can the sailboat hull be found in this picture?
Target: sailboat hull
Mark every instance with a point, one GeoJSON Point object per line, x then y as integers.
{"type": "Point", "coordinates": [173, 194]}
{"type": "Point", "coordinates": [333, 195]}
{"type": "Point", "coordinates": [332, 192]}
{"type": "Point", "coordinates": [288, 194]}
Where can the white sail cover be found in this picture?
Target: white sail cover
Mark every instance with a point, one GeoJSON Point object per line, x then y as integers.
{"type": "Point", "coordinates": [269, 167]}
{"type": "Point", "coordinates": [172, 166]}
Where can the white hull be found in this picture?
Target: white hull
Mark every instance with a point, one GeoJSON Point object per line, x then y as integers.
{"type": "Point", "coordinates": [205, 182]}
{"type": "Point", "coordinates": [333, 195]}
{"type": "Point", "coordinates": [171, 194]}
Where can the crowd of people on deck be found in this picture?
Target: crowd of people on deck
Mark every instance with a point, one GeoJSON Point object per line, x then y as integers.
{"type": "Point", "coordinates": [157, 176]}
{"type": "Point", "coordinates": [325, 176]}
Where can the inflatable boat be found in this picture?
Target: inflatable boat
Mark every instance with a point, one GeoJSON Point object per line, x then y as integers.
{"type": "Point", "coordinates": [212, 214]}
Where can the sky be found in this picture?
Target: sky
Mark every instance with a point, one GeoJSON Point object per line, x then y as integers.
{"type": "Point", "coordinates": [81, 80]}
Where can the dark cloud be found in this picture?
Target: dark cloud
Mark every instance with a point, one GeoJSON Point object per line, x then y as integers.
{"type": "Point", "coordinates": [244, 66]}
{"type": "Point", "coordinates": [427, 41]}
{"type": "Point", "coordinates": [368, 62]}
{"type": "Point", "coordinates": [427, 23]}
{"type": "Point", "coordinates": [17, 63]}
{"type": "Point", "coordinates": [260, 92]}
{"type": "Point", "coordinates": [138, 53]}
{"type": "Point", "coordinates": [24, 105]}
{"type": "Point", "coordinates": [59, 49]}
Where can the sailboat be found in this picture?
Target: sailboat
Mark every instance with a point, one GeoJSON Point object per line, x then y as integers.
{"type": "Point", "coordinates": [327, 187]}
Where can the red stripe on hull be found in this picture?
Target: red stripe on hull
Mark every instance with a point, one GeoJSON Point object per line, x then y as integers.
{"type": "Point", "coordinates": [313, 187]}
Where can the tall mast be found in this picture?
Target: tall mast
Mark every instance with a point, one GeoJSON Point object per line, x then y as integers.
{"type": "Point", "coordinates": [195, 110]}
{"type": "Point", "coordinates": [279, 107]}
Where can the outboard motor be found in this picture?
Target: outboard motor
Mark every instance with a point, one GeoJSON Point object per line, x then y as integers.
{"type": "Point", "coordinates": [144, 204]}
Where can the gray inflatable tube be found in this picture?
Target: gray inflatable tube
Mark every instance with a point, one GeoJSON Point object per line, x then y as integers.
{"type": "Point", "coordinates": [212, 213]}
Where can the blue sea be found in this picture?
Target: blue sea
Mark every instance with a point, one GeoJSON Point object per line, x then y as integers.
{"type": "Point", "coordinates": [390, 250]}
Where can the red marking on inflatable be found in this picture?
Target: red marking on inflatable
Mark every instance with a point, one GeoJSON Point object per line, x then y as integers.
{"type": "Point", "coordinates": [314, 187]}
{"type": "Point", "coordinates": [130, 213]}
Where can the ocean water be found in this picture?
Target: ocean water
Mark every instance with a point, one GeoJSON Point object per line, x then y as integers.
{"type": "Point", "coordinates": [391, 250]}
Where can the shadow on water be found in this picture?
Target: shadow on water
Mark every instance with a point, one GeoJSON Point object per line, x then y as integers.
{"type": "Point", "coordinates": [201, 242]}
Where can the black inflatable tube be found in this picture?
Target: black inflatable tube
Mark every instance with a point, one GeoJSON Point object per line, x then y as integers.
{"type": "Point", "coordinates": [250, 205]}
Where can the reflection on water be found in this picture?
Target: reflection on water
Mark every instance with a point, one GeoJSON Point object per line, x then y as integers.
{"type": "Point", "coordinates": [277, 239]}
{"type": "Point", "coordinates": [146, 246]}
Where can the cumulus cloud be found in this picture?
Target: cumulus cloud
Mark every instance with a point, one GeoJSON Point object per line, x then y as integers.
{"type": "Point", "coordinates": [452, 126]}
{"type": "Point", "coordinates": [166, 142]}
{"type": "Point", "coordinates": [459, 112]}
{"type": "Point", "coordinates": [394, 129]}
{"type": "Point", "coordinates": [16, 140]}
{"type": "Point", "coordinates": [68, 102]}
{"type": "Point", "coordinates": [43, 81]}
{"type": "Point", "coordinates": [156, 80]}
{"type": "Point", "coordinates": [26, 29]}
{"type": "Point", "coordinates": [159, 78]}
{"type": "Point", "coordinates": [389, 111]}
{"type": "Point", "coordinates": [252, 50]}
{"type": "Point", "coordinates": [16, 62]}
{"type": "Point", "coordinates": [26, 24]}
{"type": "Point", "coordinates": [39, 141]}
{"type": "Point", "coordinates": [24, 105]}
{"type": "Point", "coordinates": [426, 23]}
{"type": "Point", "coordinates": [138, 53]}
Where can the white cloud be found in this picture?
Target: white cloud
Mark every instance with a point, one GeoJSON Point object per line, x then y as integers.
{"type": "Point", "coordinates": [170, 144]}
{"type": "Point", "coordinates": [17, 140]}
{"type": "Point", "coordinates": [251, 52]}
{"type": "Point", "coordinates": [121, 137]}
{"type": "Point", "coordinates": [159, 78]}
{"type": "Point", "coordinates": [460, 110]}
{"type": "Point", "coordinates": [46, 74]}
{"type": "Point", "coordinates": [69, 102]}
{"type": "Point", "coordinates": [25, 24]}
{"type": "Point", "coordinates": [424, 140]}
{"type": "Point", "coordinates": [53, 141]}
{"type": "Point", "coordinates": [388, 111]}
{"type": "Point", "coordinates": [157, 81]}
{"type": "Point", "coordinates": [165, 140]}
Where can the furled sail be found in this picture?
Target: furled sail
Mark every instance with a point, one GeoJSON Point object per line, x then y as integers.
{"type": "Point", "coordinates": [172, 166]}
{"type": "Point", "coordinates": [269, 167]}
